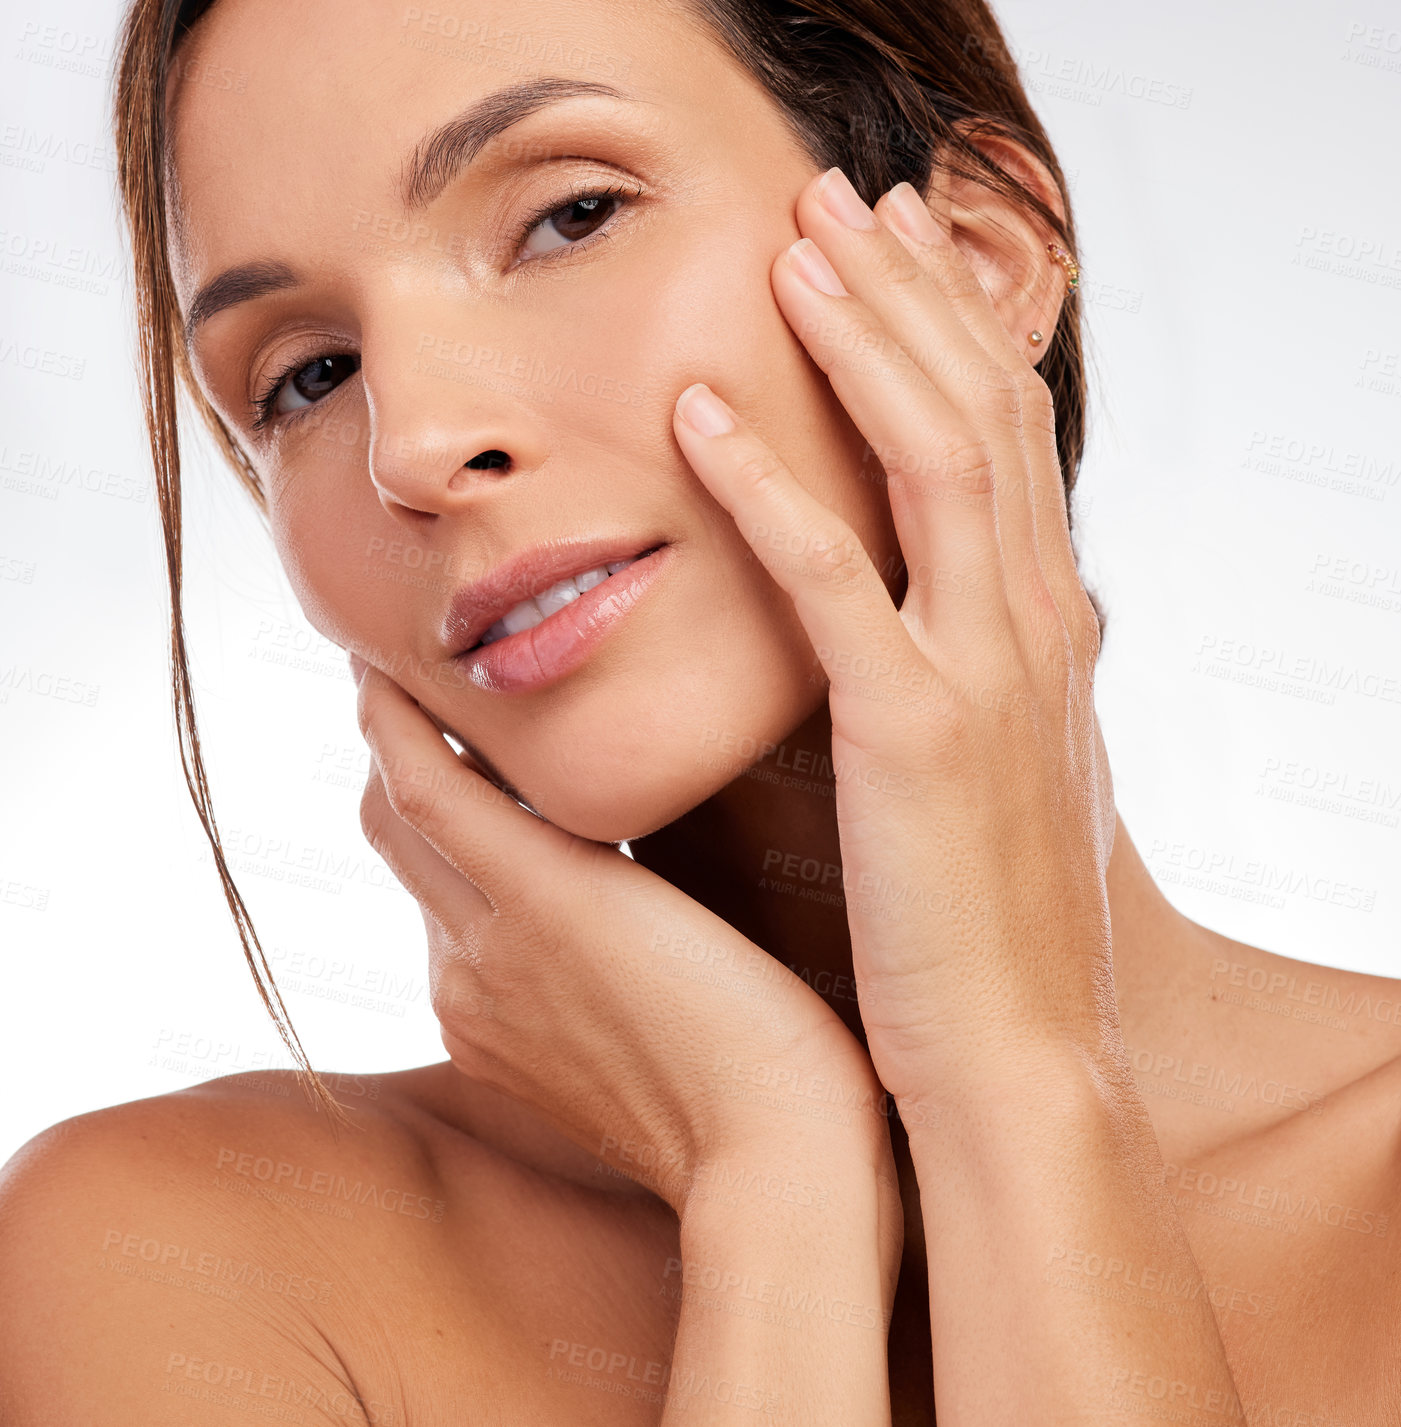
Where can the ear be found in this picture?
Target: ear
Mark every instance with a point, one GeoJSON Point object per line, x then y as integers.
{"type": "Point", "coordinates": [1004, 244]}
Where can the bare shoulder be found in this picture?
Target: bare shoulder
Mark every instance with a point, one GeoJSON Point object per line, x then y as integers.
{"type": "Point", "coordinates": [1297, 1228]}
{"type": "Point", "coordinates": [219, 1251]}
{"type": "Point", "coordinates": [198, 1253]}
{"type": "Point", "coordinates": [252, 1138]}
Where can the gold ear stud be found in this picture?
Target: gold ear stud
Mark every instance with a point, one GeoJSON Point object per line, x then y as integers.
{"type": "Point", "coordinates": [1035, 338]}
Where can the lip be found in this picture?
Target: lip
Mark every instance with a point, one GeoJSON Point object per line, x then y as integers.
{"type": "Point", "coordinates": [531, 658]}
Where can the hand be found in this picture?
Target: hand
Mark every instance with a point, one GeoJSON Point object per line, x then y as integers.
{"type": "Point", "coordinates": [558, 969]}
{"type": "Point", "coordinates": [973, 794]}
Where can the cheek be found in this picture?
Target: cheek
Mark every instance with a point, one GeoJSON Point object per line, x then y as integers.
{"type": "Point", "coordinates": [724, 663]}
{"type": "Point", "coordinates": [326, 526]}
{"type": "Point", "coordinates": [719, 322]}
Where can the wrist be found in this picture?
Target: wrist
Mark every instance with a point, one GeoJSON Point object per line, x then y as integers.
{"type": "Point", "coordinates": [988, 1031]}
{"type": "Point", "coordinates": [1052, 1091]}
{"type": "Point", "coordinates": [812, 1112]}
{"type": "Point", "coordinates": [801, 1167]}
{"type": "Point", "coordinates": [764, 1216]}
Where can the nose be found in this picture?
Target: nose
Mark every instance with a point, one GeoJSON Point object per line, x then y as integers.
{"type": "Point", "coordinates": [439, 441]}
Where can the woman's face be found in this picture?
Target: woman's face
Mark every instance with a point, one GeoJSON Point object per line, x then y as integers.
{"type": "Point", "coordinates": [491, 311]}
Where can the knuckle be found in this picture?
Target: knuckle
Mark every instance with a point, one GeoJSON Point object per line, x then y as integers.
{"type": "Point", "coordinates": [1038, 405]}
{"type": "Point", "coordinates": [453, 1002]}
{"type": "Point", "coordinates": [964, 462]}
{"type": "Point", "coordinates": [1052, 637]}
{"type": "Point", "coordinates": [1042, 651]}
{"type": "Point", "coordinates": [997, 395]}
{"type": "Point", "coordinates": [957, 278]}
{"type": "Point", "coordinates": [760, 467]}
{"type": "Point", "coordinates": [1086, 630]}
{"type": "Point", "coordinates": [362, 713]}
{"type": "Point", "coordinates": [372, 813]}
{"type": "Point", "coordinates": [855, 342]}
{"type": "Point", "coordinates": [951, 737]}
{"type": "Point", "coordinates": [1037, 397]}
{"type": "Point", "coordinates": [892, 266]}
{"type": "Point", "coordinates": [840, 557]}
{"type": "Point", "coordinates": [445, 999]}
{"type": "Point", "coordinates": [406, 793]}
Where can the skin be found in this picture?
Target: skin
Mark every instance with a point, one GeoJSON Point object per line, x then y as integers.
{"type": "Point", "coordinates": [596, 1128]}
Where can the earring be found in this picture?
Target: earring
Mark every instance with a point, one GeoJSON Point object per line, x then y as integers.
{"type": "Point", "coordinates": [1072, 268]}
{"type": "Point", "coordinates": [1072, 273]}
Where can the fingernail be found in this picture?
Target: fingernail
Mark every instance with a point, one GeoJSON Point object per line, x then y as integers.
{"type": "Point", "coordinates": [841, 200]}
{"type": "Point", "coordinates": [357, 666]}
{"type": "Point", "coordinates": [910, 215]}
{"type": "Point", "coordinates": [810, 263]}
{"type": "Point", "coordinates": [704, 412]}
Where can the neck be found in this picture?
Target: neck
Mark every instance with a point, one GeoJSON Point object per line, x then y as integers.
{"type": "Point", "coordinates": [764, 853]}
{"type": "Point", "coordinates": [748, 854]}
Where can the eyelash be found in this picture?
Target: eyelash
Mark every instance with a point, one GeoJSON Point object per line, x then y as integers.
{"type": "Point", "coordinates": [619, 190]}
{"type": "Point", "coordinates": [263, 403]}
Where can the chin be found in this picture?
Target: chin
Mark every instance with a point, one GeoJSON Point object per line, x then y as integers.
{"type": "Point", "coordinates": [612, 778]}
{"type": "Point", "coordinates": [634, 808]}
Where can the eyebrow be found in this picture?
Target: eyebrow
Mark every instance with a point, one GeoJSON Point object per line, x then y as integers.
{"type": "Point", "coordinates": [435, 161]}
{"type": "Point", "coordinates": [235, 285]}
{"type": "Point", "coordinates": [440, 156]}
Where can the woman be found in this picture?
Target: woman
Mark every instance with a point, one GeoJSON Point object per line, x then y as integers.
{"type": "Point", "coordinates": [822, 1105]}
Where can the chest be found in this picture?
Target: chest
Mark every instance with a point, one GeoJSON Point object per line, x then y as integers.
{"type": "Point", "coordinates": [545, 1303]}
{"type": "Point", "coordinates": [532, 1301]}
{"type": "Point", "coordinates": [1295, 1234]}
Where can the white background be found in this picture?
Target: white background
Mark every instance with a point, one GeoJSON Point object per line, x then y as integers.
{"type": "Point", "coordinates": [1242, 264]}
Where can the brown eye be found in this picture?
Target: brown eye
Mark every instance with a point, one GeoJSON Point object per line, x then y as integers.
{"type": "Point", "coordinates": [324, 374]}
{"type": "Point", "coordinates": [571, 223]}
{"type": "Point", "coordinates": [302, 386]}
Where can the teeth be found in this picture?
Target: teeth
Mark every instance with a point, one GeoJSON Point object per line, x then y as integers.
{"type": "Point", "coordinates": [525, 614]}
{"type": "Point", "coordinates": [529, 612]}
{"type": "Point", "coordinates": [557, 596]}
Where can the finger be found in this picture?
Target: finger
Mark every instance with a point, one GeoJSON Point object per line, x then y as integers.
{"type": "Point", "coordinates": [924, 227]}
{"type": "Point", "coordinates": [904, 293]}
{"type": "Point", "coordinates": [994, 378]}
{"type": "Point", "coordinates": [481, 831]}
{"type": "Point", "coordinates": [808, 549]}
{"type": "Point", "coordinates": [439, 889]}
{"type": "Point", "coordinates": [939, 472]}
{"type": "Point", "coordinates": [905, 212]}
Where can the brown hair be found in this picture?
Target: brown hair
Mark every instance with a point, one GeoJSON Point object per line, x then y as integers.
{"type": "Point", "coordinates": [882, 88]}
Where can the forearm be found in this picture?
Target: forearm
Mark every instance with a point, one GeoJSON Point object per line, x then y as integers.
{"type": "Point", "coordinates": [785, 1297]}
{"type": "Point", "coordinates": [1022, 1178]}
